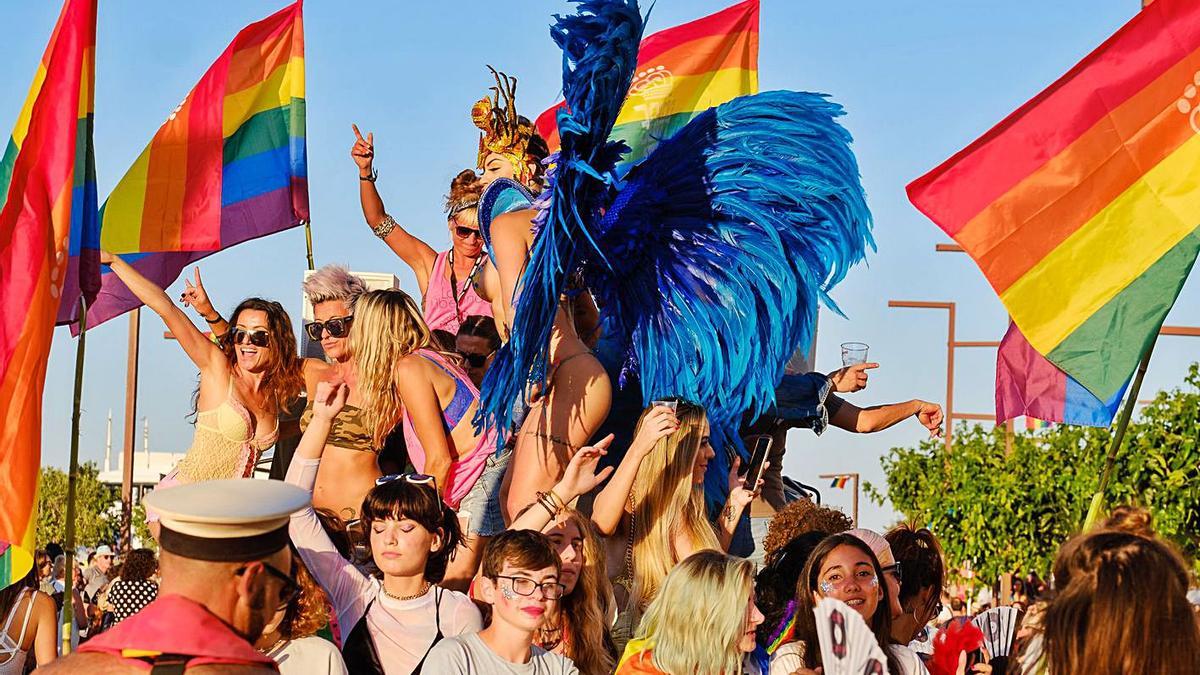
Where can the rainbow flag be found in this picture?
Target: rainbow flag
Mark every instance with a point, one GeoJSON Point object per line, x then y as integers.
{"type": "Point", "coordinates": [1082, 207]}
{"type": "Point", "coordinates": [1030, 385]}
{"type": "Point", "coordinates": [48, 230]}
{"type": "Point", "coordinates": [839, 482]}
{"type": "Point", "coordinates": [228, 165]}
{"type": "Point", "coordinates": [15, 563]}
{"type": "Point", "coordinates": [682, 71]}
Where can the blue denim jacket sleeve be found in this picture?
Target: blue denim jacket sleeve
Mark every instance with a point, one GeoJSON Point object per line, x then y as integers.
{"type": "Point", "coordinates": [800, 401]}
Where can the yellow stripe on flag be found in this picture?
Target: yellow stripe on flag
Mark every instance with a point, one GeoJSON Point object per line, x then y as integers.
{"type": "Point", "coordinates": [281, 86]}
{"type": "Point", "coordinates": [688, 93]}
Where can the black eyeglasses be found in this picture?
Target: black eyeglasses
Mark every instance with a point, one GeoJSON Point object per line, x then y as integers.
{"type": "Point", "coordinates": [290, 591]}
{"type": "Point", "coordinates": [258, 337]}
{"type": "Point", "coordinates": [338, 326]}
{"type": "Point", "coordinates": [551, 590]}
{"type": "Point", "coordinates": [414, 479]}
{"type": "Point", "coordinates": [466, 232]}
{"type": "Point", "coordinates": [895, 569]}
{"type": "Point", "coordinates": [476, 360]}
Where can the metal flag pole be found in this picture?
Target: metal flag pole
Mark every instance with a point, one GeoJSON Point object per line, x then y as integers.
{"type": "Point", "coordinates": [73, 471]}
{"type": "Point", "coordinates": [1122, 424]}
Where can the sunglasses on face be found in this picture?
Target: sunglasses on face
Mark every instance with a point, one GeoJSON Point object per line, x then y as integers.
{"type": "Point", "coordinates": [476, 360]}
{"type": "Point", "coordinates": [290, 590]}
{"type": "Point", "coordinates": [466, 232]}
{"type": "Point", "coordinates": [413, 479]}
{"type": "Point", "coordinates": [895, 570]}
{"type": "Point", "coordinates": [258, 337]}
{"type": "Point", "coordinates": [551, 590]}
{"type": "Point", "coordinates": [338, 326]}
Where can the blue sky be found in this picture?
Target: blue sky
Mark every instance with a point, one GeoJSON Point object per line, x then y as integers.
{"type": "Point", "coordinates": [918, 80]}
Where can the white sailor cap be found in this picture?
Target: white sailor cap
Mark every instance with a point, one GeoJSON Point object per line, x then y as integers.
{"type": "Point", "coordinates": [234, 520]}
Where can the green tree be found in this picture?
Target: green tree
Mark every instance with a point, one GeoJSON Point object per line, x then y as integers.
{"type": "Point", "coordinates": [999, 512]}
{"type": "Point", "coordinates": [94, 504]}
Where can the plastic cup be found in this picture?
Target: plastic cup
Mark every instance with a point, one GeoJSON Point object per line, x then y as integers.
{"type": "Point", "coordinates": [853, 353]}
{"type": "Point", "coordinates": [673, 405]}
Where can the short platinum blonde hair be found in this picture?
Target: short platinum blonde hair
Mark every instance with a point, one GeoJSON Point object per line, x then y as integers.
{"type": "Point", "coordinates": [334, 282]}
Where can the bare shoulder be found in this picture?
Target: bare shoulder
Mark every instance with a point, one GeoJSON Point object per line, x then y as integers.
{"type": "Point", "coordinates": [106, 664]}
{"type": "Point", "coordinates": [517, 223]}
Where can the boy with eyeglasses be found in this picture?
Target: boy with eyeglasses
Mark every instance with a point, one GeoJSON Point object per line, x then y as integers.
{"type": "Point", "coordinates": [520, 581]}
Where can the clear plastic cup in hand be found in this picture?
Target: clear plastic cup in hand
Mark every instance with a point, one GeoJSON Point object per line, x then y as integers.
{"type": "Point", "coordinates": [673, 405]}
{"type": "Point", "coordinates": [854, 353]}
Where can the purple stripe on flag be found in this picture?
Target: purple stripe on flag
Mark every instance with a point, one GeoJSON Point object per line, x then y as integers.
{"type": "Point", "coordinates": [262, 215]}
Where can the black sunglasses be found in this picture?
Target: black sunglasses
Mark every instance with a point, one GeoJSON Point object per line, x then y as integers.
{"type": "Point", "coordinates": [476, 360]}
{"type": "Point", "coordinates": [338, 326]}
{"type": "Point", "coordinates": [290, 591]}
{"type": "Point", "coordinates": [466, 232]}
{"type": "Point", "coordinates": [259, 337]}
{"type": "Point", "coordinates": [896, 569]}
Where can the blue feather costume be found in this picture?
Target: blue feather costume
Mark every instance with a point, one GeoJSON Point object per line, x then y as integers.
{"type": "Point", "coordinates": [709, 259]}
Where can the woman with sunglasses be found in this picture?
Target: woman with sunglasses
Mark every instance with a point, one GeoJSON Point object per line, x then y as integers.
{"type": "Point", "coordinates": [391, 619]}
{"type": "Point", "coordinates": [246, 379]}
{"type": "Point", "coordinates": [403, 379]}
{"type": "Point", "coordinates": [477, 342]}
{"type": "Point", "coordinates": [445, 279]}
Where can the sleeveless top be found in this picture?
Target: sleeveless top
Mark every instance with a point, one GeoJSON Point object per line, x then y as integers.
{"type": "Point", "coordinates": [468, 466]}
{"type": "Point", "coordinates": [224, 445]}
{"type": "Point", "coordinates": [442, 311]}
{"type": "Point", "coordinates": [10, 650]}
{"type": "Point", "coordinates": [347, 430]}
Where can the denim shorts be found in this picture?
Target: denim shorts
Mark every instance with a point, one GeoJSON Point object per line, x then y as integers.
{"type": "Point", "coordinates": [481, 506]}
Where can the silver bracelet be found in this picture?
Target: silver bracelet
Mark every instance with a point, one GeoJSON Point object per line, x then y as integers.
{"type": "Point", "coordinates": [385, 227]}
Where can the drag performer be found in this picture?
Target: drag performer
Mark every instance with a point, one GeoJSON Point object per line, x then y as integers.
{"type": "Point", "coordinates": [445, 279]}
{"type": "Point", "coordinates": [708, 258]}
{"type": "Point", "coordinates": [569, 403]}
{"type": "Point", "coordinates": [245, 380]}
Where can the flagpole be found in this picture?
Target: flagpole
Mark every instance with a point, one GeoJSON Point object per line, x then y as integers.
{"type": "Point", "coordinates": [131, 383]}
{"type": "Point", "coordinates": [1122, 424]}
{"type": "Point", "coordinates": [73, 471]}
{"type": "Point", "coordinates": [308, 244]}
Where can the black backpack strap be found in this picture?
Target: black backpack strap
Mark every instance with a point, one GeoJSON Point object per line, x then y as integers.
{"type": "Point", "coordinates": [437, 623]}
{"type": "Point", "coordinates": [169, 664]}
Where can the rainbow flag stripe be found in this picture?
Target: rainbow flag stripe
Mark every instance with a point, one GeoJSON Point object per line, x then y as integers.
{"type": "Point", "coordinates": [682, 71]}
{"type": "Point", "coordinates": [1082, 207]}
{"type": "Point", "coordinates": [47, 220]}
{"type": "Point", "coordinates": [228, 165]}
{"type": "Point", "coordinates": [15, 563]}
{"type": "Point", "coordinates": [839, 482]}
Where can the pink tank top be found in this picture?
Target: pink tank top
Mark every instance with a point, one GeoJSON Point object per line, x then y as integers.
{"type": "Point", "coordinates": [441, 310]}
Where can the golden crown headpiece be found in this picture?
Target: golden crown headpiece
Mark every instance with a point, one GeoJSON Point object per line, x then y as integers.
{"type": "Point", "coordinates": [504, 132]}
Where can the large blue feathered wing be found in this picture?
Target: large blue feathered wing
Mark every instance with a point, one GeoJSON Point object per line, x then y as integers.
{"type": "Point", "coordinates": [720, 246]}
{"type": "Point", "coordinates": [600, 47]}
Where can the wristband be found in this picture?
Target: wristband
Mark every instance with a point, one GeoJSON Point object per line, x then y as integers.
{"type": "Point", "coordinates": [216, 320]}
{"type": "Point", "coordinates": [374, 176]}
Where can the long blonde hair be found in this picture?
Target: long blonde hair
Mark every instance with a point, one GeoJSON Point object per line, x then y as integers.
{"type": "Point", "coordinates": [584, 613]}
{"type": "Point", "coordinates": [387, 327]}
{"type": "Point", "coordinates": [666, 502]}
{"type": "Point", "coordinates": [699, 617]}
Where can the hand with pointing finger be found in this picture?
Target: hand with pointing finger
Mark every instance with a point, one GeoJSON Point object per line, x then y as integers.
{"type": "Point", "coordinates": [363, 151]}
{"type": "Point", "coordinates": [196, 297]}
{"type": "Point", "coordinates": [851, 378]}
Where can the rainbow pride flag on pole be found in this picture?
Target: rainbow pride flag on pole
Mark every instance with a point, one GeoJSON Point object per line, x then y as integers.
{"type": "Point", "coordinates": [682, 71]}
{"type": "Point", "coordinates": [1082, 208]}
{"type": "Point", "coordinates": [48, 230]}
{"type": "Point", "coordinates": [839, 482]}
{"type": "Point", "coordinates": [228, 165]}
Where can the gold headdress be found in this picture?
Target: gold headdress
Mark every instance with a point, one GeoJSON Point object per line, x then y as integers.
{"type": "Point", "coordinates": [504, 132]}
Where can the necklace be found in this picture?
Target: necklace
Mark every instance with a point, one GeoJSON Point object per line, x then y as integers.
{"type": "Point", "coordinates": [405, 598]}
{"type": "Point", "coordinates": [454, 292]}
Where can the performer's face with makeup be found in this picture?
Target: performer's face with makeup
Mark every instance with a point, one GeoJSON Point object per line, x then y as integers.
{"type": "Point", "coordinates": [496, 166]}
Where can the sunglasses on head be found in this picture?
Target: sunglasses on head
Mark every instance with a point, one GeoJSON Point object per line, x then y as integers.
{"type": "Point", "coordinates": [466, 232]}
{"type": "Point", "coordinates": [413, 479]}
{"type": "Point", "coordinates": [258, 337]}
{"type": "Point", "coordinates": [338, 326]}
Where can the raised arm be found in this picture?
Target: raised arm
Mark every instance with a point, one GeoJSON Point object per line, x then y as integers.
{"type": "Point", "coordinates": [196, 297]}
{"type": "Point", "coordinates": [421, 402]}
{"type": "Point", "coordinates": [415, 253]}
{"type": "Point", "coordinates": [202, 351]}
{"type": "Point", "coordinates": [579, 478]}
{"type": "Point", "coordinates": [610, 503]}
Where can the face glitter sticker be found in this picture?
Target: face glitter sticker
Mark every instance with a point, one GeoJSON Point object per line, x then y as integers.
{"type": "Point", "coordinates": [826, 588]}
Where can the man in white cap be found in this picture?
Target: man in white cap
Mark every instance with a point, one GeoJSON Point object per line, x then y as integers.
{"type": "Point", "coordinates": [95, 575]}
{"type": "Point", "coordinates": [226, 569]}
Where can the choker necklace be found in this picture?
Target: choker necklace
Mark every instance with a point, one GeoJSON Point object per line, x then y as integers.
{"type": "Point", "coordinates": [405, 598]}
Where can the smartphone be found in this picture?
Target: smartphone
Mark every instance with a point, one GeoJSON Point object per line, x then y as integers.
{"type": "Point", "coordinates": [753, 470]}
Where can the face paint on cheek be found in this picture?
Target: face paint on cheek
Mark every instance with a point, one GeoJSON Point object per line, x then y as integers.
{"type": "Point", "coordinates": [826, 588]}
{"type": "Point", "coordinates": [507, 593]}
{"type": "Point", "coordinates": [874, 582]}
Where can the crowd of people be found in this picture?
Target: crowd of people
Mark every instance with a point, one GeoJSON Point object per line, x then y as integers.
{"type": "Point", "coordinates": [498, 477]}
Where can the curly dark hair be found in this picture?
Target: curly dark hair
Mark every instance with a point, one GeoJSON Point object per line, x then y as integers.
{"type": "Point", "coordinates": [803, 516]}
{"type": "Point", "coordinates": [139, 565]}
{"type": "Point", "coordinates": [775, 584]}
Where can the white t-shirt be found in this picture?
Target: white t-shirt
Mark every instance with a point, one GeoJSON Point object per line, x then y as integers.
{"type": "Point", "coordinates": [469, 655]}
{"type": "Point", "coordinates": [308, 656]}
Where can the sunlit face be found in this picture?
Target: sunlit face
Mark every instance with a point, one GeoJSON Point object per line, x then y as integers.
{"type": "Point", "coordinates": [703, 455]}
{"type": "Point", "coordinates": [465, 236]}
{"type": "Point", "coordinates": [523, 612]}
{"type": "Point", "coordinates": [848, 575]}
{"type": "Point", "coordinates": [568, 542]}
{"type": "Point", "coordinates": [336, 348]}
{"type": "Point", "coordinates": [496, 166]}
{"type": "Point", "coordinates": [103, 562]}
{"type": "Point", "coordinates": [753, 619]}
{"type": "Point", "coordinates": [253, 358]}
{"type": "Point", "coordinates": [477, 355]}
{"type": "Point", "coordinates": [401, 547]}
